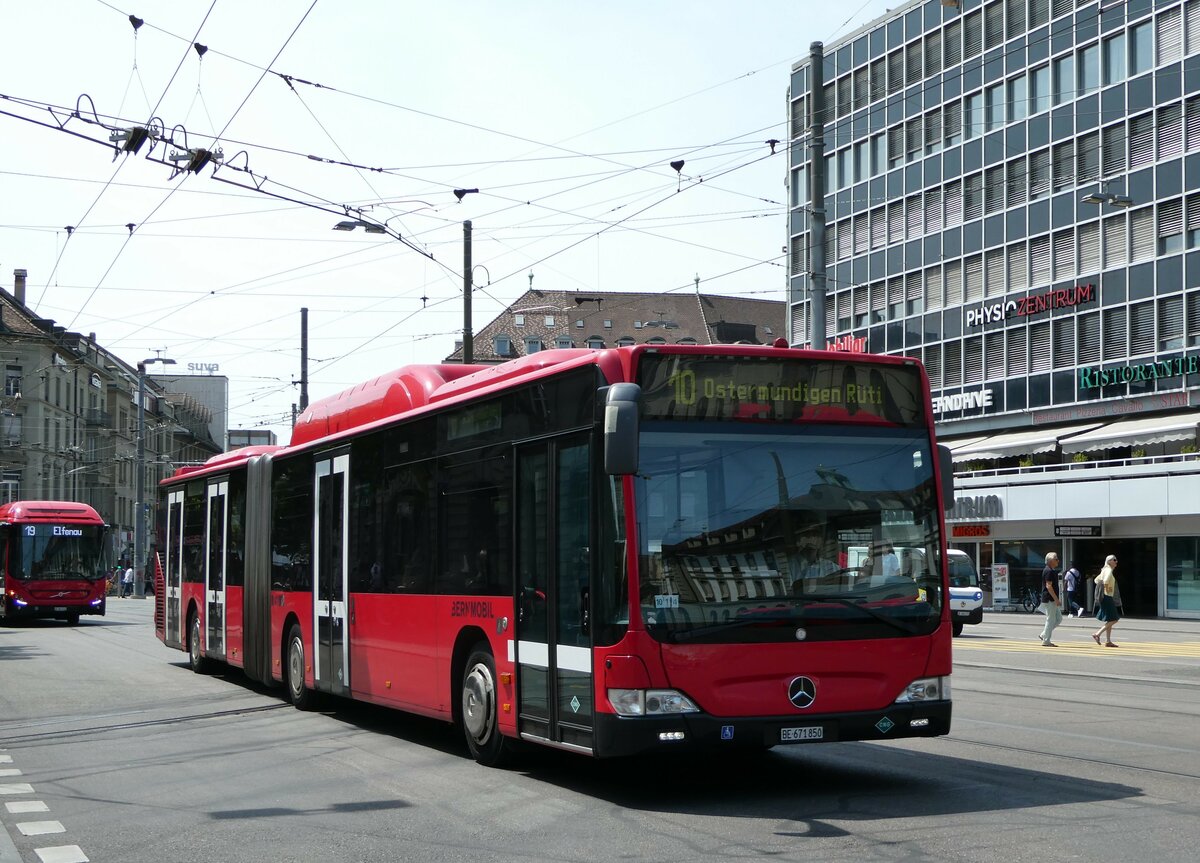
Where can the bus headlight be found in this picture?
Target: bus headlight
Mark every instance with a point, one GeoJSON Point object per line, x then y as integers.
{"type": "Point", "coordinates": [926, 689]}
{"type": "Point", "coordinates": [650, 702]}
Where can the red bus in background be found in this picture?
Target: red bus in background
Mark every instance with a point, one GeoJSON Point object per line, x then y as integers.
{"type": "Point", "coordinates": [605, 551]}
{"type": "Point", "coordinates": [52, 560]}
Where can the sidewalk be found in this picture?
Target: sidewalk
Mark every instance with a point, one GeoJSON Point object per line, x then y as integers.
{"type": "Point", "coordinates": [1187, 630]}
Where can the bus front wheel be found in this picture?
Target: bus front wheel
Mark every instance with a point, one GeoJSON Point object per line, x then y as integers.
{"type": "Point", "coordinates": [480, 716]}
{"type": "Point", "coordinates": [300, 695]}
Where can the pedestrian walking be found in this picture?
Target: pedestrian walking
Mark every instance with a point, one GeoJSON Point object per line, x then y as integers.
{"type": "Point", "coordinates": [1049, 606]}
{"type": "Point", "coordinates": [127, 583]}
{"type": "Point", "coordinates": [1072, 581]}
{"type": "Point", "coordinates": [1108, 607]}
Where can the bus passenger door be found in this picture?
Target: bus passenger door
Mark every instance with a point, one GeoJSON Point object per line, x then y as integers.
{"type": "Point", "coordinates": [214, 567]}
{"type": "Point", "coordinates": [554, 652]}
{"type": "Point", "coordinates": [331, 655]}
{"type": "Point", "coordinates": [174, 557]}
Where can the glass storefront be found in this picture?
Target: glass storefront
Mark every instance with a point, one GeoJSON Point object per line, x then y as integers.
{"type": "Point", "coordinates": [1183, 573]}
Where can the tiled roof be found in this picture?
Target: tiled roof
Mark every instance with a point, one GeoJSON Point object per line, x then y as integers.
{"type": "Point", "coordinates": [608, 319]}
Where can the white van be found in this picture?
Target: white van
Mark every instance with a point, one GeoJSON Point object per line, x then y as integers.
{"type": "Point", "coordinates": [966, 597]}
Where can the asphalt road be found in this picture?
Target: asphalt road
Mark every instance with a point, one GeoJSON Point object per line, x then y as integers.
{"type": "Point", "coordinates": [112, 750]}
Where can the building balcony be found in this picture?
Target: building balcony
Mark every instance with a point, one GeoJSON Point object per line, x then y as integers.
{"type": "Point", "coordinates": [97, 417]}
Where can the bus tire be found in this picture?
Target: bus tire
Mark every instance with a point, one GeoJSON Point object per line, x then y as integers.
{"type": "Point", "coordinates": [196, 658]}
{"type": "Point", "coordinates": [958, 628]}
{"type": "Point", "coordinates": [73, 619]}
{"type": "Point", "coordinates": [301, 696]}
{"type": "Point", "coordinates": [480, 711]}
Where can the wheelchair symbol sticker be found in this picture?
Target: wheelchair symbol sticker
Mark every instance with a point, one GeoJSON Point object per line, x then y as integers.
{"type": "Point", "coordinates": [727, 732]}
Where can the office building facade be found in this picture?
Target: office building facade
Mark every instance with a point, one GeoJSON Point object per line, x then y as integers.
{"type": "Point", "coordinates": [1013, 197]}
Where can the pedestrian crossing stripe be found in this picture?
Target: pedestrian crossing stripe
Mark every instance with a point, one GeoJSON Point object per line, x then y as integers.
{"type": "Point", "coordinates": [1143, 649]}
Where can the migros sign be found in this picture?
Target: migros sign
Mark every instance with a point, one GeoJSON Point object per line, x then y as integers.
{"type": "Point", "coordinates": [1023, 307]}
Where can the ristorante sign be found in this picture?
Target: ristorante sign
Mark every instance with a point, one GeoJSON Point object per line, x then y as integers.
{"type": "Point", "coordinates": [1023, 307]}
{"type": "Point", "coordinates": [1094, 376]}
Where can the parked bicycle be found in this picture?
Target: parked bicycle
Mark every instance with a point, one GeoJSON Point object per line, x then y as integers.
{"type": "Point", "coordinates": [1031, 598]}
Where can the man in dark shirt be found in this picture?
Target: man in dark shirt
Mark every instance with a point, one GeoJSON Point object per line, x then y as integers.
{"type": "Point", "coordinates": [1049, 606]}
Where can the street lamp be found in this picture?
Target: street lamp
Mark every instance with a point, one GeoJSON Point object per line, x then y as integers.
{"type": "Point", "coordinates": [139, 515]}
{"type": "Point", "coordinates": [1106, 197]}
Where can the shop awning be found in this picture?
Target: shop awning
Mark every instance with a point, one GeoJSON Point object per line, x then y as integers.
{"type": "Point", "coordinates": [1135, 433]}
{"type": "Point", "coordinates": [956, 445]}
{"type": "Point", "coordinates": [1011, 444]}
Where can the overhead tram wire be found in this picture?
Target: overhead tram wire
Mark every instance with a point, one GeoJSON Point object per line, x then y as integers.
{"type": "Point", "coordinates": [120, 250]}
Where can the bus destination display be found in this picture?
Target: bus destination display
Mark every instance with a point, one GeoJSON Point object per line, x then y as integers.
{"type": "Point", "coordinates": [685, 386]}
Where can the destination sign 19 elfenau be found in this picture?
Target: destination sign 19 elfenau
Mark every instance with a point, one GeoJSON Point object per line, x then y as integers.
{"type": "Point", "coordinates": [683, 386]}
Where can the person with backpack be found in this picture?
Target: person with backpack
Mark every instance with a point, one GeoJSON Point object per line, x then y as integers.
{"type": "Point", "coordinates": [1049, 606]}
{"type": "Point", "coordinates": [1072, 581]}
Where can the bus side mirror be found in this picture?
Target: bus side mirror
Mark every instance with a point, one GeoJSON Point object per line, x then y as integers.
{"type": "Point", "coordinates": [621, 429]}
{"type": "Point", "coordinates": [946, 463]}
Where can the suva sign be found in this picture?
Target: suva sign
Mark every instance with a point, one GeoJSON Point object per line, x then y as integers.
{"type": "Point", "coordinates": [204, 368]}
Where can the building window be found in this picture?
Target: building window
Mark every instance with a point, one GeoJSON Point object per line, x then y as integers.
{"type": "Point", "coordinates": [608, 325]}
{"type": "Point", "coordinates": [1141, 49]}
{"type": "Point", "coordinates": [595, 343]}
{"type": "Point", "coordinates": [1017, 98]}
{"type": "Point", "coordinates": [994, 99]}
{"type": "Point", "coordinates": [973, 124]}
{"type": "Point", "coordinates": [1114, 59]}
{"type": "Point", "coordinates": [563, 342]}
{"type": "Point", "coordinates": [532, 345]}
{"type": "Point", "coordinates": [12, 381]}
{"type": "Point", "coordinates": [1039, 89]}
{"type": "Point", "coordinates": [624, 341]}
{"type": "Point", "coordinates": [579, 324]}
{"type": "Point", "coordinates": [1089, 69]}
{"type": "Point", "coordinates": [519, 320]}
{"type": "Point", "coordinates": [1064, 79]}
{"type": "Point", "coordinates": [1170, 227]}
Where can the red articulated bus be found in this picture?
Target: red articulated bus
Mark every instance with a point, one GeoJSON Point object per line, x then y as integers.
{"type": "Point", "coordinates": [52, 560]}
{"type": "Point", "coordinates": [611, 552]}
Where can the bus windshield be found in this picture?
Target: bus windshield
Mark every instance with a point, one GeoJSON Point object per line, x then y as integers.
{"type": "Point", "coordinates": [60, 552]}
{"type": "Point", "coordinates": [769, 533]}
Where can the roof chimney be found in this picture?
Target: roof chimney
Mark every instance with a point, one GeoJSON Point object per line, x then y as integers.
{"type": "Point", "coordinates": [19, 285]}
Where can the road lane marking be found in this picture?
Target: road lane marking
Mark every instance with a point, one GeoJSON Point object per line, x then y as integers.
{"type": "Point", "coordinates": [40, 828]}
{"type": "Point", "coordinates": [16, 788]}
{"type": "Point", "coordinates": [22, 807]}
{"type": "Point", "coordinates": [62, 854]}
{"type": "Point", "coordinates": [10, 771]}
{"type": "Point", "coordinates": [1141, 649]}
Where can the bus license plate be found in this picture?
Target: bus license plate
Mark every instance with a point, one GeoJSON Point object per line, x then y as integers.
{"type": "Point", "coordinates": [806, 732]}
{"type": "Point", "coordinates": [60, 608]}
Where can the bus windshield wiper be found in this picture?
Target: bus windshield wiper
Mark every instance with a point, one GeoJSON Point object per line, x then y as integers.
{"type": "Point", "coordinates": [734, 623]}
{"type": "Point", "coordinates": [856, 602]}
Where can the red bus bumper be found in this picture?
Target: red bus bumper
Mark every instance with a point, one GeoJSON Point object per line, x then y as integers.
{"type": "Point", "coordinates": [623, 735]}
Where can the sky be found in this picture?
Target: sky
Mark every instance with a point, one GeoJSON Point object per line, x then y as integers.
{"type": "Point", "coordinates": [565, 116]}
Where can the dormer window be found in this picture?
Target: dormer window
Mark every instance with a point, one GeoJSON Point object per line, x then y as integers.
{"type": "Point", "coordinates": [532, 345]}
{"type": "Point", "coordinates": [502, 345]}
{"type": "Point", "coordinates": [564, 342]}
{"type": "Point", "coordinates": [624, 341]}
{"type": "Point", "coordinates": [595, 343]}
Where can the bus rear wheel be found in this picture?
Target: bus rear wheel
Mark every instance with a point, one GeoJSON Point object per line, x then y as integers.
{"type": "Point", "coordinates": [299, 694]}
{"type": "Point", "coordinates": [196, 658]}
{"type": "Point", "coordinates": [480, 712]}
